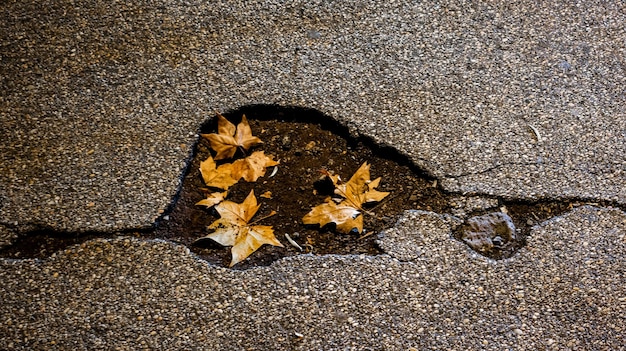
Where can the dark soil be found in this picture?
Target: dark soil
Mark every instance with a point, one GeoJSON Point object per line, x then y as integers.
{"type": "Point", "coordinates": [305, 142]}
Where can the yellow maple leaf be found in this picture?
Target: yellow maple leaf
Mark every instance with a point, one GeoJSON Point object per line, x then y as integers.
{"type": "Point", "coordinates": [212, 200]}
{"type": "Point", "coordinates": [252, 167]}
{"type": "Point", "coordinates": [347, 214]}
{"type": "Point", "coordinates": [343, 215]}
{"type": "Point", "coordinates": [233, 229]}
{"type": "Point", "coordinates": [217, 177]}
{"type": "Point", "coordinates": [359, 189]}
{"type": "Point", "coordinates": [228, 138]}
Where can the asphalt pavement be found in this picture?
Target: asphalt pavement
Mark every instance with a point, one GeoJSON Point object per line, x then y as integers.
{"type": "Point", "coordinates": [101, 104]}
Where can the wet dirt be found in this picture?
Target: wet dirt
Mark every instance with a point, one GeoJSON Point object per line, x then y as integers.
{"type": "Point", "coordinates": [305, 142]}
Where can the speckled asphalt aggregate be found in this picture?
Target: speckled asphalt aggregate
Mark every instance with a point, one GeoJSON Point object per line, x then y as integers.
{"type": "Point", "coordinates": [100, 106]}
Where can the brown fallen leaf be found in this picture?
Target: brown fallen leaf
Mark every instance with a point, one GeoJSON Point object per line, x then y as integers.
{"type": "Point", "coordinates": [233, 229]}
{"type": "Point", "coordinates": [217, 177]}
{"type": "Point", "coordinates": [252, 167]}
{"type": "Point", "coordinates": [228, 138]}
{"type": "Point", "coordinates": [359, 189]}
{"type": "Point", "coordinates": [347, 214]}
{"type": "Point", "coordinates": [343, 215]}
{"type": "Point", "coordinates": [266, 195]}
{"type": "Point", "coordinates": [213, 199]}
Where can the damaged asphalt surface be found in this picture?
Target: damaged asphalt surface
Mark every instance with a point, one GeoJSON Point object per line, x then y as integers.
{"type": "Point", "coordinates": [99, 112]}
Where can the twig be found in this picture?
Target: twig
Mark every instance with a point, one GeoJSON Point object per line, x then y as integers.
{"type": "Point", "coordinates": [293, 243]}
{"type": "Point", "coordinates": [534, 130]}
{"type": "Point", "coordinates": [366, 235]}
{"type": "Point", "coordinates": [273, 172]}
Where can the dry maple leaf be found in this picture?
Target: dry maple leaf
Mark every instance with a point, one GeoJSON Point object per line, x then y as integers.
{"type": "Point", "coordinates": [228, 138]}
{"type": "Point", "coordinates": [343, 215]}
{"type": "Point", "coordinates": [252, 167]}
{"type": "Point", "coordinates": [347, 214]}
{"type": "Point", "coordinates": [213, 199]}
{"type": "Point", "coordinates": [217, 177]}
{"type": "Point", "coordinates": [359, 189]}
{"type": "Point", "coordinates": [233, 229]}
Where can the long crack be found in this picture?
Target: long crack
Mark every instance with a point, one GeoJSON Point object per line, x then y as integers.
{"type": "Point", "coordinates": [306, 141]}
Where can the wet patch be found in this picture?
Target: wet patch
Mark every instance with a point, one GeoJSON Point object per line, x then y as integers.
{"type": "Point", "coordinates": [306, 142]}
{"type": "Point", "coordinates": [488, 232]}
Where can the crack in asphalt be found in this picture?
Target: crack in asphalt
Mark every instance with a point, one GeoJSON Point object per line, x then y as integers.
{"type": "Point", "coordinates": [491, 169]}
{"type": "Point", "coordinates": [26, 236]}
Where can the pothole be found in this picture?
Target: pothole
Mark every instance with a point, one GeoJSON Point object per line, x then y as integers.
{"type": "Point", "coordinates": [305, 141]}
{"type": "Point", "coordinates": [492, 238]}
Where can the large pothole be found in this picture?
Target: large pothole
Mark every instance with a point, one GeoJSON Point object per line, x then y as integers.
{"type": "Point", "coordinates": [305, 141]}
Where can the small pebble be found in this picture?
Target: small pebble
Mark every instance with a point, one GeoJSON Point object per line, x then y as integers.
{"type": "Point", "coordinates": [313, 34]}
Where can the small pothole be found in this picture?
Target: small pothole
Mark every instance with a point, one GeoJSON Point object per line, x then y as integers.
{"type": "Point", "coordinates": [524, 215]}
{"type": "Point", "coordinates": [306, 141]}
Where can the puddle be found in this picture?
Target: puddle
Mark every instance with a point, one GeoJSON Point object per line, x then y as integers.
{"type": "Point", "coordinates": [306, 141]}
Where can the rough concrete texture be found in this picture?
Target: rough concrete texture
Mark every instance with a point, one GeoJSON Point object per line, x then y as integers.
{"type": "Point", "coordinates": [565, 291]}
{"type": "Point", "coordinates": [101, 102]}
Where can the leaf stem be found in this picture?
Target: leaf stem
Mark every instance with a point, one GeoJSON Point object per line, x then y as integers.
{"type": "Point", "coordinates": [262, 218]}
{"type": "Point", "coordinates": [243, 151]}
{"type": "Point", "coordinates": [343, 194]}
